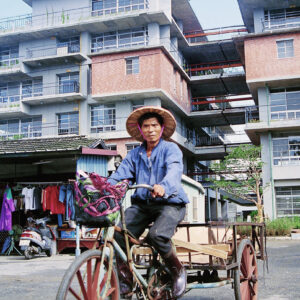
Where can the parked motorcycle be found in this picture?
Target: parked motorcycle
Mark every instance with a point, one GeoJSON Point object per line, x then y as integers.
{"type": "Point", "coordinates": [37, 237]}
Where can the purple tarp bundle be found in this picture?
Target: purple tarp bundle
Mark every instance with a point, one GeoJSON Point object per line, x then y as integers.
{"type": "Point", "coordinates": [6, 211]}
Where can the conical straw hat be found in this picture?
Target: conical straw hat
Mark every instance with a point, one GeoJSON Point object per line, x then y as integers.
{"type": "Point", "coordinates": [132, 121]}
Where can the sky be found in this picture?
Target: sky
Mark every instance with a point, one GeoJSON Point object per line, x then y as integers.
{"type": "Point", "coordinates": [211, 13]}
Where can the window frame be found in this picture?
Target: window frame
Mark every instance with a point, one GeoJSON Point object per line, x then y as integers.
{"type": "Point", "coordinates": [132, 65]}
{"type": "Point", "coordinates": [101, 112]}
{"type": "Point", "coordinates": [67, 123]}
{"type": "Point", "coordinates": [285, 53]}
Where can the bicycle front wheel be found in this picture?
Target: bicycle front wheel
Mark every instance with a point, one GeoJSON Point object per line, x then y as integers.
{"type": "Point", "coordinates": [87, 279]}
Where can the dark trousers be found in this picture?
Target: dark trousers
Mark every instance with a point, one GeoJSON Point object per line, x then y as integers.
{"type": "Point", "coordinates": [165, 218]}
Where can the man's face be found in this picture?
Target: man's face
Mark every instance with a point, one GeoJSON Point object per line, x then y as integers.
{"type": "Point", "coordinates": [151, 130]}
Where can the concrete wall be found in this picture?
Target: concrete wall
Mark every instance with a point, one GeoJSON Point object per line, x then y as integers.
{"type": "Point", "coordinates": [258, 15]}
{"type": "Point", "coordinates": [262, 62]}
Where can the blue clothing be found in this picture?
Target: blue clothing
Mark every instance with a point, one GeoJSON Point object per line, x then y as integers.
{"type": "Point", "coordinates": [163, 167]}
{"type": "Point", "coordinates": [66, 195]}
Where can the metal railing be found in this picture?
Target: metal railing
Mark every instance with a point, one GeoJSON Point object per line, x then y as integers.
{"type": "Point", "coordinates": [209, 141]}
{"type": "Point", "coordinates": [63, 17]}
{"type": "Point", "coordinates": [13, 101]}
{"type": "Point", "coordinates": [222, 33]}
{"type": "Point", "coordinates": [208, 103]}
{"type": "Point", "coordinates": [9, 63]}
{"type": "Point", "coordinates": [23, 131]}
{"type": "Point", "coordinates": [53, 51]}
{"type": "Point", "coordinates": [251, 114]}
{"type": "Point", "coordinates": [233, 66]}
{"type": "Point", "coordinates": [285, 115]}
{"type": "Point", "coordinates": [8, 103]}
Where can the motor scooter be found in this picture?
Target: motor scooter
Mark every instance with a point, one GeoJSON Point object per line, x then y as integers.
{"type": "Point", "coordinates": [37, 237]}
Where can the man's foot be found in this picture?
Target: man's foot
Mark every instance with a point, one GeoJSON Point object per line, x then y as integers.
{"type": "Point", "coordinates": [178, 273]}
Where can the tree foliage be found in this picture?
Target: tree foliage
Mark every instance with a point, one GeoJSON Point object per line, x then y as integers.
{"type": "Point", "coordinates": [240, 174]}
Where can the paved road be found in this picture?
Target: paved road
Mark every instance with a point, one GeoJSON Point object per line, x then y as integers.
{"type": "Point", "coordinates": [39, 278]}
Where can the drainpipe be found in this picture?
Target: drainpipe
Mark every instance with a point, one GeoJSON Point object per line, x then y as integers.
{"type": "Point", "coordinates": [270, 153]}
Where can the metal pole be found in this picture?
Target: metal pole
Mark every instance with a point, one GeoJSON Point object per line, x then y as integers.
{"type": "Point", "coordinates": [77, 251]}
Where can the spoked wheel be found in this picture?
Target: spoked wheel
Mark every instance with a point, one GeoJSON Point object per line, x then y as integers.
{"type": "Point", "coordinates": [246, 276]}
{"type": "Point", "coordinates": [86, 279]}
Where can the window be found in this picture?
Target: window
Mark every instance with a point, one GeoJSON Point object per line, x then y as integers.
{"type": "Point", "coordinates": [9, 56]}
{"type": "Point", "coordinates": [20, 128]}
{"type": "Point", "coordinates": [9, 94]}
{"type": "Point", "coordinates": [103, 118]}
{"type": "Point", "coordinates": [132, 65]}
{"type": "Point", "coordinates": [119, 39]}
{"type": "Point", "coordinates": [104, 7]}
{"type": "Point", "coordinates": [287, 201]}
{"type": "Point", "coordinates": [68, 83]}
{"type": "Point", "coordinates": [112, 147]}
{"type": "Point", "coordinates": [286, 151]}
{"type": "Point", "coordinates": [285, 48]}
{"type": "Point", "coordinates": [130, 147]}
{"type": "Point", "coordinates": [68, 123]}
{"type": "Point", "coordinates": [285, 104]}
{"type": "Point", "coordinates": [32, 88]}
{"type": "Point", "coordinates": [137, 104]}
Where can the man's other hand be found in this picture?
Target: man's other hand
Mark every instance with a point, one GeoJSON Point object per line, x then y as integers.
{"type": "Point", "coordinates": [158, 191]}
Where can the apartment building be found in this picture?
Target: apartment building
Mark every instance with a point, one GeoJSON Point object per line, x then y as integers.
{"type": "Point", "coordinates": [80, 67]}
{"type": "Point", "coordinates": [272, 59]}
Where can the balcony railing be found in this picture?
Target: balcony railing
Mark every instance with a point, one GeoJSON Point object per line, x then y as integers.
{"type": "Point", "coordinates": [9, 63]}
{"type": "Point", "coordinates": [8, 102]}
{"type": "Point", "coordinates": [36, 130]}
{"type": "Point", "coordinates": [221, 33]}
{"type": "Point", "coordinates": [53, 51]}
{"type": "Point", "coordinates": [209, 141]}
{"type": "Point", "coordinates": [206, 103]}
{"type": "Point", "coordinates": [285, 115]}
{"type": "Point", "coordinates": [62, 17]}
{"type": "Point", "coordinates": [222, 67]}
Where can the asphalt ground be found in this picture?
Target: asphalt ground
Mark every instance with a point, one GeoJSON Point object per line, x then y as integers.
{"type": "Point", "coordinates": [40, 277]}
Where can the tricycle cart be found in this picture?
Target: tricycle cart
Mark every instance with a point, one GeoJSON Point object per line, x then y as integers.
{"type": "Point", "coordinates": [206, 250]}
{"type": "Point", "coordinates": [224, 250]}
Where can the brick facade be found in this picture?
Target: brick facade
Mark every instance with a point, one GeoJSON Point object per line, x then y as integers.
{"type": "Point", "coordinates": [156, 72]}
{"type": "Point", "coordinates": [262, 62]}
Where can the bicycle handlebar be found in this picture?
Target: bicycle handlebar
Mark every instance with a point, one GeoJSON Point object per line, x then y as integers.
{"type": "Point", "coordinates": [146, 186]}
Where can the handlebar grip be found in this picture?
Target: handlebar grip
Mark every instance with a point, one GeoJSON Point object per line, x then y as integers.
{"type": "Point", "coordinates": [146, 186]}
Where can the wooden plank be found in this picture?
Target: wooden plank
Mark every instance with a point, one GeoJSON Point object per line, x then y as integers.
{"type": "Point", "coordinates": [200, 248]}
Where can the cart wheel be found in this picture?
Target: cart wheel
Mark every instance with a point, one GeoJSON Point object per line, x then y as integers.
{"type": "Point", "coordinates": [246, 276]}
{"type": "Point", "coordinates": [86, 279]}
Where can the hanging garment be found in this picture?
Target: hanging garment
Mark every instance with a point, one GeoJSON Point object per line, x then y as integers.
{"type": "Point", "coordinates": [6, 211]}
{"type": "Point", "coordinates": [27, 193]}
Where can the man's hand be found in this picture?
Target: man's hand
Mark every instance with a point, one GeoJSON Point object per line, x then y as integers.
{"type": "Point", "coordinates": [158, 191]}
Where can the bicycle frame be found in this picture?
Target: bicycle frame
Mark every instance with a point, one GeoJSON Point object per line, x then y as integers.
{"type": "Point", "coordinates": [112, 244]}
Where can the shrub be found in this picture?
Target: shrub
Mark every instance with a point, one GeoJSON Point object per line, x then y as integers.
{"type": "Point", "coordinates": [282, 226]}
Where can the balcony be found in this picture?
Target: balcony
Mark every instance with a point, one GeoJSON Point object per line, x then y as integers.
{"type": "Point", "coordinates": [89, 18]}
{"type": "Point", "coordinates": [11, 106]}
{"type": "Point", "coordinates": [281, 18]}
{"type": "Point", "coordinates": [67, 91]}
{"type": "Point", "coordinates": [36, 129]}
{"type": "Point", "coordinates": [38, 57]}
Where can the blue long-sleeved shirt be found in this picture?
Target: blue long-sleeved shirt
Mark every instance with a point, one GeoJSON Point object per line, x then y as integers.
{"type": "Point", "coordinates": [163, 167]}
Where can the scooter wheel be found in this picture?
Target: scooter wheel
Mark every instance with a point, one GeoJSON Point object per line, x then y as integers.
{"type": "Point", "coordinates": [28, 253]}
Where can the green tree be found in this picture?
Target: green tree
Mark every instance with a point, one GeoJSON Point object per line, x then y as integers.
{"type": "Point", "coordinates": [240, 174]}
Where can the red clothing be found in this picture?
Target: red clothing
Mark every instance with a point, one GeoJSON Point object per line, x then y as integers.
{"type": "Point", "coordinates": [51, 202]}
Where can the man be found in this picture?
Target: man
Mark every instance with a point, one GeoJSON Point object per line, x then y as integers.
{"type": "Point", "coordinates": [157, 163]}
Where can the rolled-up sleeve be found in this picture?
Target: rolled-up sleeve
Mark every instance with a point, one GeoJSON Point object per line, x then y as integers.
{"type": "Point", "coordinates": [171, 182]}
{"type": "Point", "coordinates": [126, 170]}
